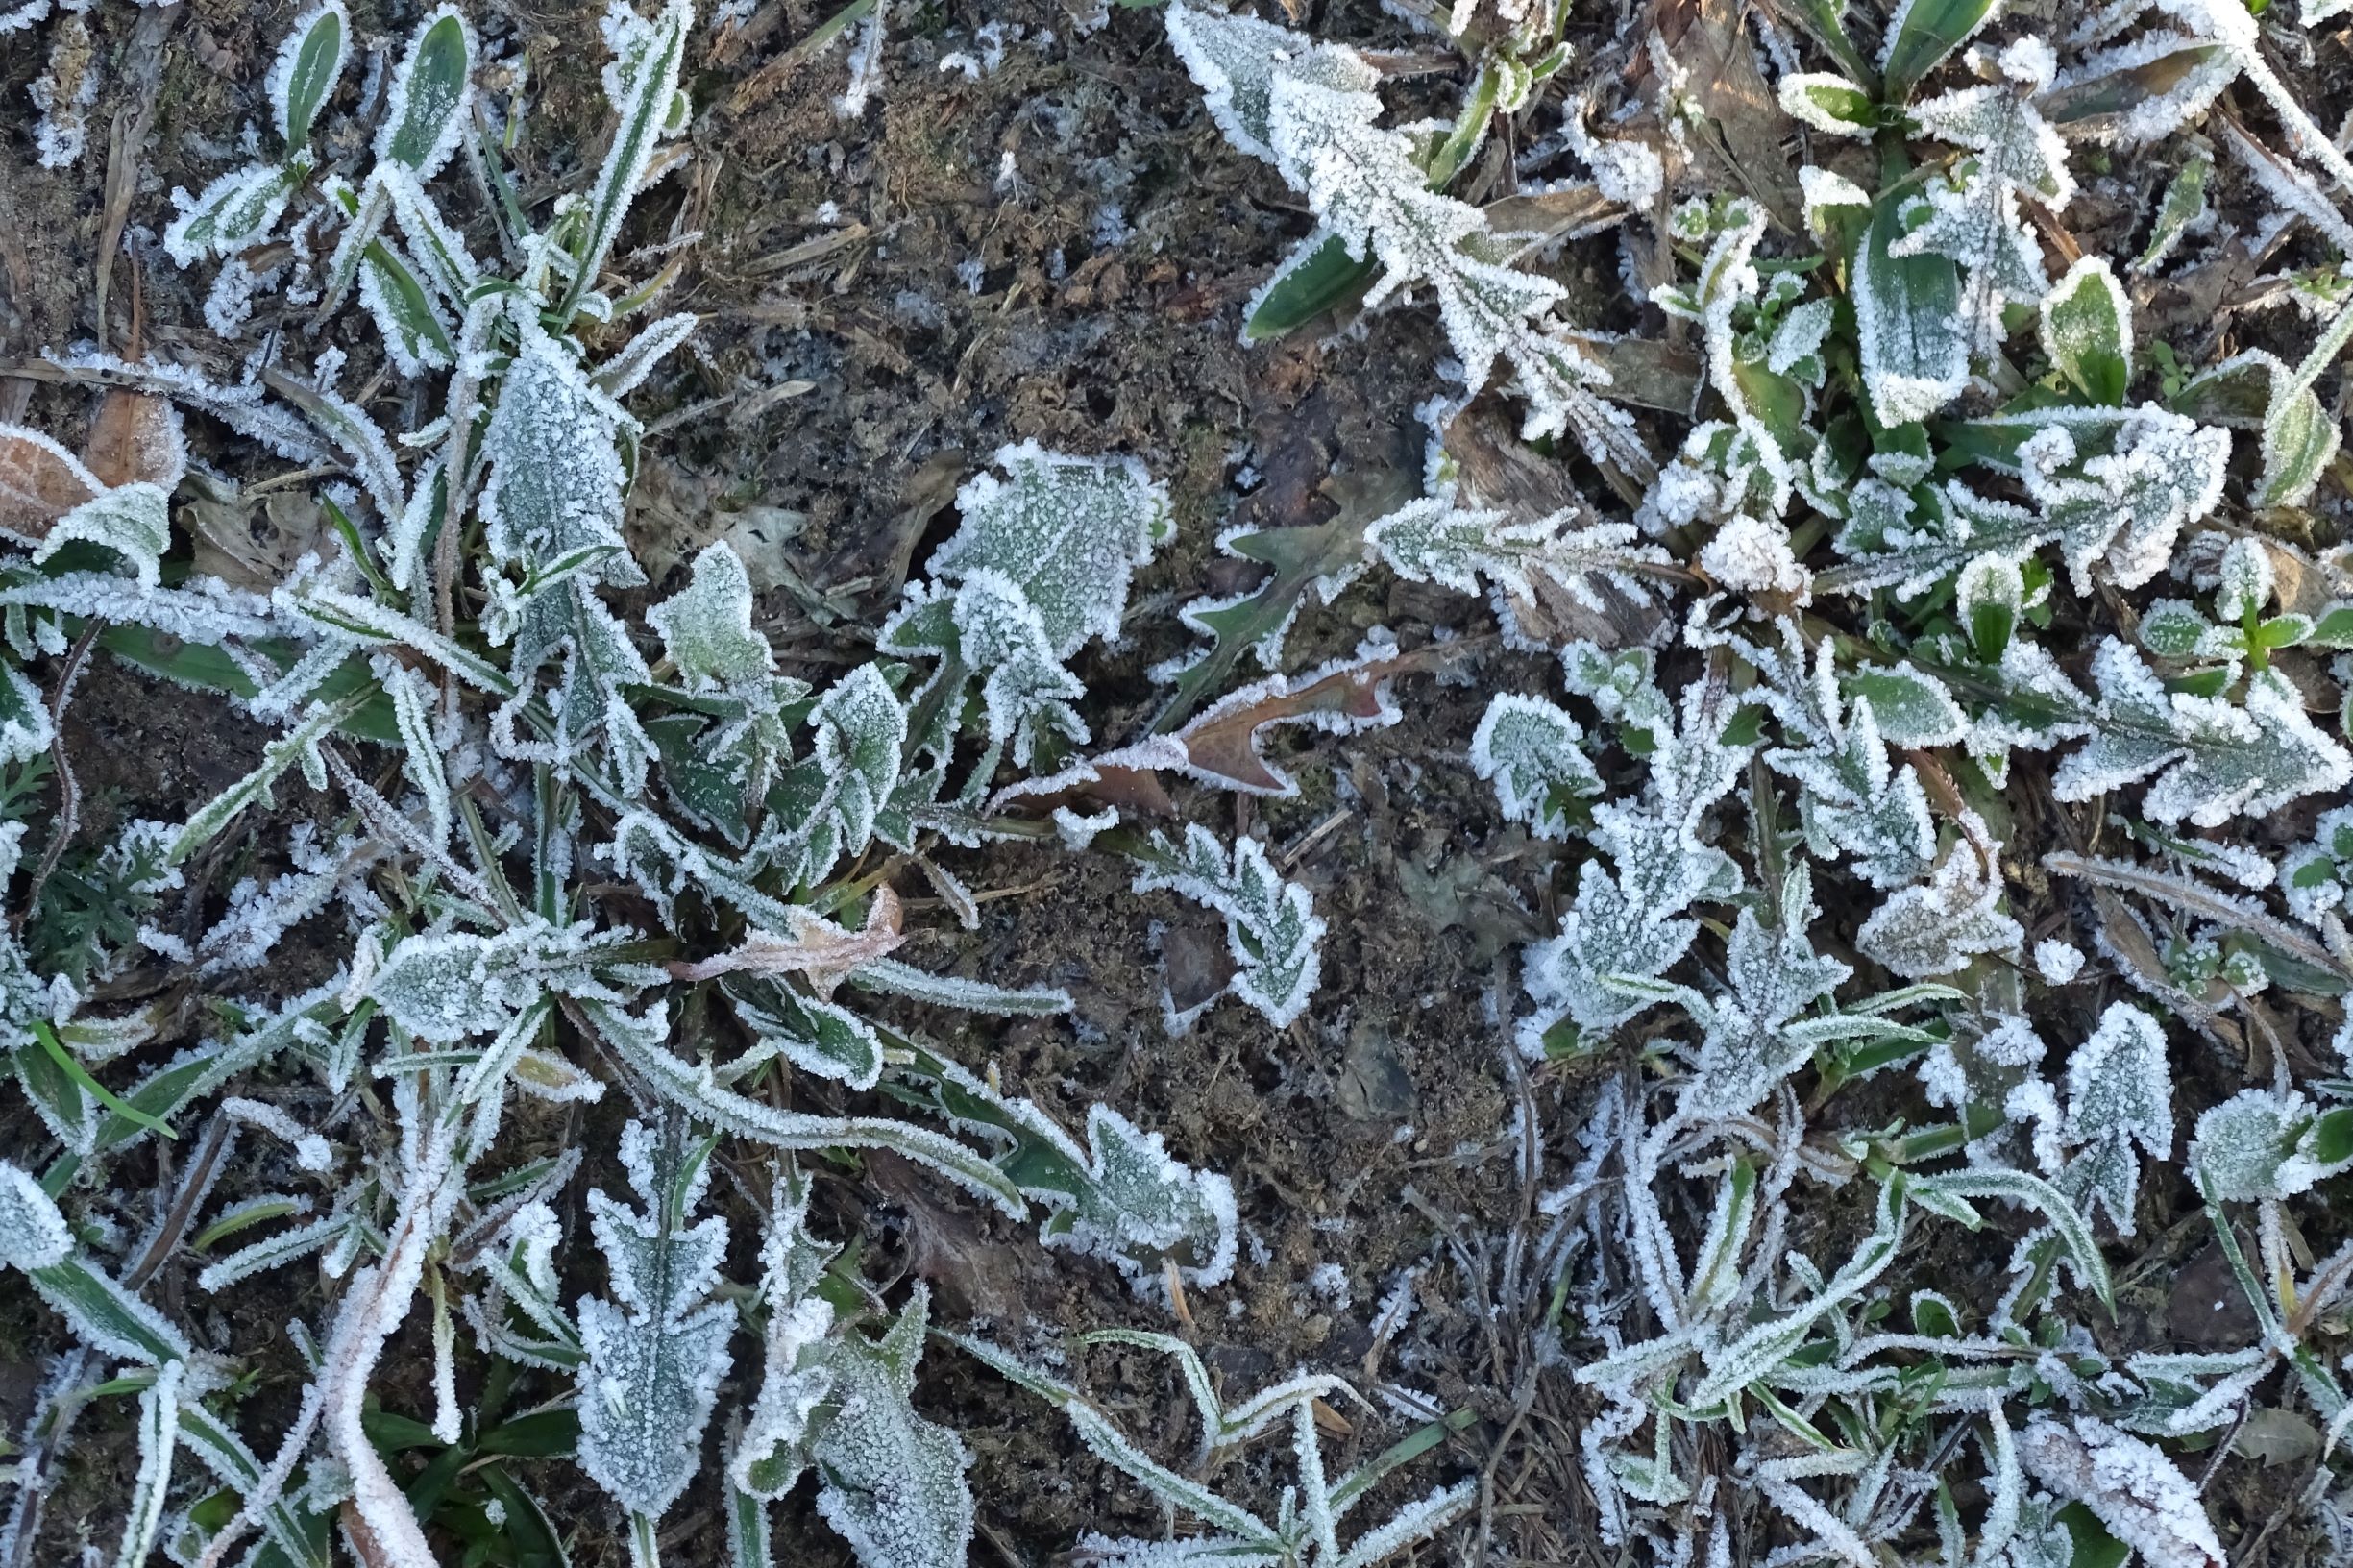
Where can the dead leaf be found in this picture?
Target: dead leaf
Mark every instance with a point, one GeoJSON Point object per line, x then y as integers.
{"type": "Point", "coordinates": [39, 482]}
{"type": "Point", "coordinates": [2274, 1438]}
{"type": "Point", "coordinates": [136, 440]}
{"type": "Point", "coordinates": [817, 947]}
{"type": "Point", "coordinates": [1742, 123]}
{"type": "Point", "coordinates": [1222, 746]}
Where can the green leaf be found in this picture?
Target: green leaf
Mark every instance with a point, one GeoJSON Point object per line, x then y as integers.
{"type": "Point", "coordinates": [308, 63]}
{"type": "Point", "coordinates": [2086, 331]}
{"type": "Point", "coordinates": [2299, 437]}
{"type": "Point", "coordinates": [418, 338]}
{"type": "Point", "coordinates": [1319, 277]}
{"type": "Point", "coordinates": [649, 82]}
{"type": "Point", "coordinates": [1908, 317]}
{"type": "Point", "coordinates": [236, 211]}
{"type": "Point", "coordinates": [2093, 1546]}
{"type": "Point", "coordinates": [1924, 31]}
{"type": "Point", "coordinates": [430, 96]}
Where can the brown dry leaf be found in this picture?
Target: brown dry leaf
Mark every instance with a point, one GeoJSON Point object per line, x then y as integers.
{"type": "Point", "coordinates": [817, 947]}
{"type": "Point", "coordinates": [39, 482]}
{"type": "Point", "coordinates": [136, 440]}
{"type": "Point", "coordinates": [1222, 745]}
{"type": "Point", "coordinates": [1742, 123]}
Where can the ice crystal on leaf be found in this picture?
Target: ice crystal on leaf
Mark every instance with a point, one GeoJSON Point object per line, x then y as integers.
{"type": "Point", "coordinates": [1313, 108]}
{"type": "Point", "coordinates": [1436, 540]}
{"type": "Point", "coordinates": [1757, 1034]}
{"type": "Point", "coordinates": [1628, 922]}
{"type": "Point", "coordinates": [2213, 759]}
{"type": "Point", "coordinates": [1067, 532]}
{"type": "Point", "coordinates": [707, 626]}
{"type": "Point", "coordinates": [2260, 1143]}
{"type": "Point", "coordinates": [1530, 751]}
{"type": "Point", "coordinates": [453, 985]}
{"type": "Point", "coordinates": [657, 1350]}
{"type": "Point", "coordinates": [2130, 1486]}
{"type": "Point", "coordinates": [1937, 926]}
{"type": "Point", "coordinates": [1974, 219]}
{"type": "Point", "coordinates": [2119, 1090]}
{"type": "Point", "coordinates": [1271, 925]}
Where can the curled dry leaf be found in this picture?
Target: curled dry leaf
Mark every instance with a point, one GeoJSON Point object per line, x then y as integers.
{"type": "Point", "coordinates": [817, 947]}
{"type": "Point", "coordinates": [39, 482]}
{"type": "Point", "coordinates": [136, 440]}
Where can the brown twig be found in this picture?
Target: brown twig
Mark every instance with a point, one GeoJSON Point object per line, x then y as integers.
{"type": "Point", "coordinates": [70, 793]}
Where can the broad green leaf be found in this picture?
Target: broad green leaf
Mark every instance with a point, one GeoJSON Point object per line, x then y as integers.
{"type": "Point", "coordinates": [2086, 331]}
{"type": "Point", "coordinates": [308, 63]}
{"type": "Point", "coordinates": [414, 333]}
{"type": "Point", "coordinates": [1907, 313]}
{"type": "Point", "coordinates": [1920, 36]}
{"type": "Point", "coordinates": [1829, 102]}
{"type": "Point", "coordinates": [430, 91]}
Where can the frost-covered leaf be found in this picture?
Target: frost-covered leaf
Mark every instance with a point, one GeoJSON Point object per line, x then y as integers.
{"type": "Point", "coordinates": [2127, 505]}
{"type": "Point", "coordinates": [1920, 34]}
{"type": "Point", "coordinates": [1828, 101]}
{"type": "Point", "coordinates": [1313, 109]}
{"type": "Point", "coordinates": [1271, 925]}
{"type": "Point", "coordinates": [1069, 533]}
{"type": "Point", "coordinates": [1436, 540]}
{"type": "Point", "coordinates": [33, 1232]}
{"type": "Point", "coordinates": [1937, 926]}
{"type": "Point", "coordinates": [235, 212]}
{"type": "Point", "coordinates": [2120, 1093]}
{"type": "Point", "coordinates": [2260, 1143]}
{"type": "Point", "coordinates": [555, 473]}
{"type": "Point", "coordinates": [1028, 698]}
{"type": "Point", "coordinates": [642, 82]}
{"type": "Point", "coordinates": [707, 626]}
{"type": "Point", "coordinates": [2087, 331]}
{"type": "Point", "coordinates": [1752, 1037]}
{"type": "Point", "coordinates": [449, 985]}
{"type": "Point", "coordinates": [1974, 218]}
{"type": "Point", "coordinates": [1627, 923]}
{"type": "Point", "coordinates": [892, 1483]}
{"type": "Point", "coordinates": [2215, 759]}
{"type": "Point", "coordinates": [1233, 59]}
{"type": "Point", "coordinates": [2138, 1494]}
{"type": "Point", "coordinates": [657, 1350]}
{"type": "Point", "coordinates": [1908, 320]}
{"type": "Point", "coordinates": [431, 90]}
{"type": "Point", "coordinates": [1530, 751]}
{"type": "Point", "coordinates": [133, 522]}
{"type": "Point", "coordinates": [309, 63]}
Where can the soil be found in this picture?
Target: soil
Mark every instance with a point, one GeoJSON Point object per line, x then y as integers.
{"type": "Point", "coordinates": [1055, 248]}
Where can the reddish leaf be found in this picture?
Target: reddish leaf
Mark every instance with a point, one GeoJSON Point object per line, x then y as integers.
{"type": "Point", "coordinates": [39, 482]}
{"type": "Point", "coordinates": [135, 439]}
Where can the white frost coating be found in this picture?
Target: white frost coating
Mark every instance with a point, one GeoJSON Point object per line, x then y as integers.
{"type": "Point", "coordinates": [657, 1350]}
{"type": "Point", "coordinates": [33, 1232]}
{"type": "Point", "coordinates": [1068, 531]}
{"type": "Point", "coordinates": [289, 55]}
{"type": "Point", "coordinates": [1271, 925]}
{"type": "Point", "coordinates": [1531, 751]}
{"type": "Point", "coordinates": [1751, 555]}
{"type": "Point", "coordinates": [2058, 962]}
{"type": "Point", "coordinates": [2213, 759]}
{"type": "Point", "coordinates": [2119, 1090]}
{"type": "Point", "coordinates": [2146, 1502]}
{"type": "Point", "coordinates": [1937, 926]}
{"type": "Point", "coordinates": [1434, 539]}
{"type": "Point", "coordinates": [2259, 1143]}
{"type": "Point", "coordinates": [433, 104]}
